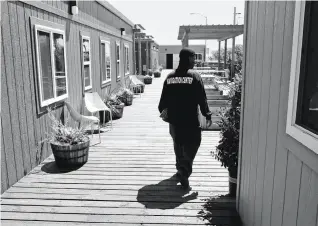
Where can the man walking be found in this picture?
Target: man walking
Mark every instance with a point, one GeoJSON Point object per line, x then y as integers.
{"type": "Point", "coordinates": [182, 93]}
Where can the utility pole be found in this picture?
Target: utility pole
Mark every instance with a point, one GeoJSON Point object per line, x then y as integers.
{"type": "Point", "coordinates": [206, 23]}
{"type": "Point", "coordinates": [205, 51]}
{"type": "Point", "coordinates": [233, 48]}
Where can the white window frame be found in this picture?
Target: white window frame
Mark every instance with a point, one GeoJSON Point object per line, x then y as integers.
{"type": "Point", "coordinates": [106, 42]}
{"type": "Point", "coordinates": [126, 47]}
{"type": "Point", "coordinates": [50, 30]}
{"type": "Point", "coordinates": [299, 133]}
{"type": "Point", "coordinates": [117, 61]}
{"type": "Point", "coordinates": [87, 63]}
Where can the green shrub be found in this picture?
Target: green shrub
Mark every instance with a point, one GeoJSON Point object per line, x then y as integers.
{"type": "Point", "coordinates": [227, 150]}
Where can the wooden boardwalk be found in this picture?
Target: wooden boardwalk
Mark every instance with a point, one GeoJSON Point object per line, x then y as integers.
{"type": "Point", "coordinates": [126, 181]}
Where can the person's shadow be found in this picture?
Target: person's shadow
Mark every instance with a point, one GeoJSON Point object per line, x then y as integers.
{"type": "Point", "coordinates": [167, 194]}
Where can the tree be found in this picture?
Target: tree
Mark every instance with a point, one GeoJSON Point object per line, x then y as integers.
{"type": "Point", "coordinates": [238, 53]}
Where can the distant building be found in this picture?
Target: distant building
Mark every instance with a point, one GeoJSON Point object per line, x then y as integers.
{"type": "Point", "coordinates": [146, 53]}
{"type": "Point", "coordinates": [169, 55]}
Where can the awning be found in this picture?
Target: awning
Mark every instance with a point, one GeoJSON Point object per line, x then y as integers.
{"type": "Point", "coordinates": [206, 32]}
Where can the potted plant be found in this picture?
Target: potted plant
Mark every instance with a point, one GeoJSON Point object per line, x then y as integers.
{"type": "Point", "coordinates": [147, 79]}
{"type": "Point", "coordinates": [227, 150]}
{"type": "Point", "coordinates": [125, 95]}
{"type": "Point", "coordinates": [115, 105]}
{"type": "Point", "coordinates": [157, 74]}
{"type": "Point", "coordinates": [69, 145]}
{"type": "Point", "coordinates": [150, 72]}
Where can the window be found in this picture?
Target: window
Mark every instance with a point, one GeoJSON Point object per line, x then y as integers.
{"type": "Point", "coordinates": [198, 56]}
{"type": "Point", "coordinates": [302, 118]}
{"type": "Point", "coordinates": [105, 62]}
{"type": "Point", "coordinates": [51, 64]}
{"type": "Point", "coordinates": [87, 62]}
{"type": "Point", "coordinates": [117, 60]}
{"type": "Point", "coordinates": [126, 49]}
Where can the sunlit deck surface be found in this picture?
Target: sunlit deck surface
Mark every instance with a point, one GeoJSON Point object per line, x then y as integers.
{"type": "Point", "coordinates": [126, 181]}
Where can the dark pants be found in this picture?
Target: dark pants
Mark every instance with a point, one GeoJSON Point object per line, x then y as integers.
{"type": "Point", "coordinates": [186, 143]}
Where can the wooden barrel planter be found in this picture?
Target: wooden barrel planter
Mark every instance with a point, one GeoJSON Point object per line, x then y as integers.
{"type": "Point", "coordinates": [147, 80]}
{"type": "Point", "coordinates": [129, 100]}
{"type": "Point", "coordinates": [157, 74]}
{"type": "Point", "coordinates": [118, 113]}
{"type": "Point", "coordinates": [232, 182]}
{"type": "Point", "coordinates": [68, 156]}
{"type": "Point", "coordinates": [139, 89]}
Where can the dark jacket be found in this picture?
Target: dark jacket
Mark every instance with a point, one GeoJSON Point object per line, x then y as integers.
{"type": "Point", "coordinates": [182, 93]}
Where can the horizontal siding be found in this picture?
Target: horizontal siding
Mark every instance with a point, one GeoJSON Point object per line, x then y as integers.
{"type": "Point", "coordinates": [23, 123]}
{"type": "Point", "coordinates": [278, 186]}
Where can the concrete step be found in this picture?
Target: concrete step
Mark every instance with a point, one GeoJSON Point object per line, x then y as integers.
{"type": "Point", "coordinates": [217, 97]}
{"type": "Point", "coordinates": [218, 103]}
{"type": "Point", "coordinates": [212, 92]}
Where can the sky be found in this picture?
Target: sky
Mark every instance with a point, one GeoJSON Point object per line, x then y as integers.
{"type": "Point", "coordinates": [162, 18]}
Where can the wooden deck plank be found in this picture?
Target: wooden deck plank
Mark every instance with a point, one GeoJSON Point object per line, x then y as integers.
{"type": "Point", "coordinates": [102, 204]}
{"type": "Point", "coordinates": [36, 223]}
{"type": "Point", "coordinates": [126, 181]}
{"type": "Point", "coordinates": [116, 186]}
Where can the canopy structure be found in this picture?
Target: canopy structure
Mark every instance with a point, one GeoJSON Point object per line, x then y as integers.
{"type": "Point", "coordinates": [206, 32]}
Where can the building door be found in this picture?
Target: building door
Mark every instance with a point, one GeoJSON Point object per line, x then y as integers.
{"type": "Point", "coordinates": [169, 61]}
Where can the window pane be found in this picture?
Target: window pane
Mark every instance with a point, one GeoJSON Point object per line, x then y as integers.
{"type": "Point", "coordinates": [127, 59]}
{"type": "Point", "coordinates": [86, 50]}
{"type": "Point", "coordinates": [117, 52]}
{"type": "Point", "coordinates": [103, 62]}
{"type": "Point", "coordinates": [307, 107]}
{"type": "Point", "coordinates": [60, 86]}
{"type": "Point", "coordinates": [108, 74]}
{"type": "Point", "coordinates": [107, 48]}
{"type": "Point", "coordinates": [87, 76]}
{"type": "Point", "coordinates": [58, 43]}
{"type": "Point", "coordinates": [45, 65]}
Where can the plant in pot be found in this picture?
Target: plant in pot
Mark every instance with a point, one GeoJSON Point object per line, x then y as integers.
{"type": "Point", "coordinates": [228, 147]}
{"type": "Point", "coordinates": [69, 145]}
{"type": "Point", "coordinates": [125, 96]}
{"type": "Point", "coordinates": [150, 72]}
{"type": "Point", "coordinates": [157, 74]}
{"type": "Point", "coordinates": [147, 79]}
{"type": "Point", "coordinates": [115, 105]}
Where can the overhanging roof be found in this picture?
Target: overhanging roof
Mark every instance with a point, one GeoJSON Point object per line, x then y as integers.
{"type": "Point", "coordinates": [205, 32]}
